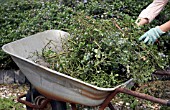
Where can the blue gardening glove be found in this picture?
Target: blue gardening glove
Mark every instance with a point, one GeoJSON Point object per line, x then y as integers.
{"type": "Point", "coordinates": [152, 35]}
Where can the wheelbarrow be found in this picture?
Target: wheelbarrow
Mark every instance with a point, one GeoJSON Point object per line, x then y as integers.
{"type": "Point", "coordinates": [56, 86]}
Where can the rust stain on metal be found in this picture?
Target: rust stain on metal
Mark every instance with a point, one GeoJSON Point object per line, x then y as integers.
{"type": "Point", "coordinates": [93, 95]}
{"type": "Point", "coordinates": [55, 97]}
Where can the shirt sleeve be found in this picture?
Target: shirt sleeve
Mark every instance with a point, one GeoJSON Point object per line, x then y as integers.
{"type": "Point", "coordinates": [153, 9]}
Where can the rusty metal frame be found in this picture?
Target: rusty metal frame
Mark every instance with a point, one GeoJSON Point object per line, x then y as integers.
{"type": "Point", "coordinates": [135, 94]}
{"type": "Point", "coordinates": [42, 106]}
{"type": "Point", "coordinates": [162, 72]}
{"type": "Point", "coordinates": [107, 101]}
{"type": "Point", "coordinates": [29, 104]}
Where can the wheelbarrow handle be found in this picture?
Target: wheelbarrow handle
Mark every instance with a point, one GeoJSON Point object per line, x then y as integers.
{"type": "Point", "coordinates": [135, 94]}
{"type": "Point", "coordinates": [162, 72]}
{"type": "Point", "coordinates": [168, 103]}
{"type": "Point", "coordinates": [144, 96]}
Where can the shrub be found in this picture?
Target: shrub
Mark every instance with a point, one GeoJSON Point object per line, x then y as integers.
{"type": "Point", "coordinates": [104, 37]}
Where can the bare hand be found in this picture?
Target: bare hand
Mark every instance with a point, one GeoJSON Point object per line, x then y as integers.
{"type": "Point", "coordinates": [141, 21]}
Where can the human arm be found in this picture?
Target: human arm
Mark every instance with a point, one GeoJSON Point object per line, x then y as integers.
{"type": "Point", "coordinates": [165, 27]}
{"type": "Point", "coordinates": [148, 14]}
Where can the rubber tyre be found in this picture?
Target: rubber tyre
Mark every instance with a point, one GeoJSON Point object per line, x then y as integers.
{"type": "Point", "coordinates": [56, 105]}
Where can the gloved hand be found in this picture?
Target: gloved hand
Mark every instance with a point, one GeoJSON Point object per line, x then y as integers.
{"type": "Point", "coordinates": [152, 35]}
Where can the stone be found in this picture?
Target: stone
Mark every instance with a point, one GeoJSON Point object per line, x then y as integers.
{"type": "Point", "coordinates": [1, 77]}
{"type": "Point", "coordinates": [19, 77]}
{"type": "Point", "coordinates": [8, 76]}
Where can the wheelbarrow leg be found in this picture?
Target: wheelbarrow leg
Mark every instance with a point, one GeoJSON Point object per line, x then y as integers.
{"type": "Point", "coordinates": [111, 106]}
{"type": "Point", "coordinates": [73, 106]}
{"type": "Point", "coordinates": [107, 101]}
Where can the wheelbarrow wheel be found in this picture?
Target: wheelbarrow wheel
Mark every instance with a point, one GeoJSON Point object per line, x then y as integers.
{"type": "Point", "coordinates": [37, 98]}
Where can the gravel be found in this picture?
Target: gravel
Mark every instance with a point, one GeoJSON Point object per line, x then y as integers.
{"type": "Point", "coordinates": [12, 90]}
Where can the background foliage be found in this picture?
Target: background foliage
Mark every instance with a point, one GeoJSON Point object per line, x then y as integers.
{"type": "Point", "coordinates": [21, 18]}
{"type": "Point", "coordinates": [104, 32]}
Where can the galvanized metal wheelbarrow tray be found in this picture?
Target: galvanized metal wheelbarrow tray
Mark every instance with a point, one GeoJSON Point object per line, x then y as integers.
{"type": "Point", "coordinates": [58, 86]}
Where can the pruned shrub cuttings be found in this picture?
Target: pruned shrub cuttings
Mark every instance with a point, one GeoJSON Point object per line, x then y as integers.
{"type": "Point", "coordinates": [103, 48]}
